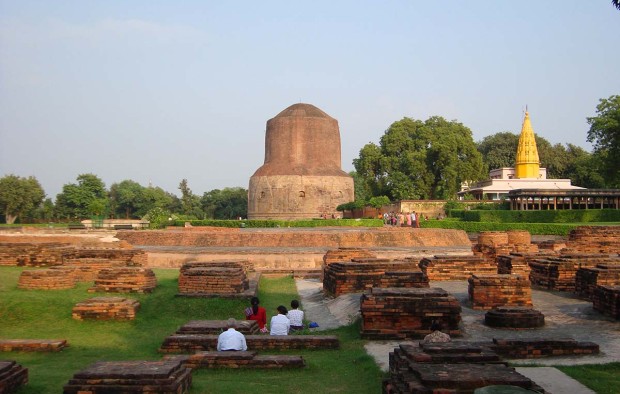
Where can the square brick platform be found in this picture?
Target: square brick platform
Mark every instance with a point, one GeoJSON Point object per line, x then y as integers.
{"type": "Point", "coordinates": [490, 291]}
{"type": "Point", "coordinates": [247, 359]}
{"type": "Point", "coordinates": [587, 279]}
{"type": "Point", "coordinates": [440, 268]}
{"type": "Point", "coordinates": [166, 377]}
{"type": "Point", "coordinates": [32, 345]}
{"type": "Point", "coordinates": [397, 313]}
{"type": "Point", "coordinates": [46, 279]}
{"type": "Point", "coordinates": [229, 279]}
{"type": "Point", "coordinates": [125, 280]}
{"type": "Point", "coordinates": [12, 376]}
{"type": "Point", "coordinates": [106, 308]}
{"type": "Point", "coordinates": [606, 299]}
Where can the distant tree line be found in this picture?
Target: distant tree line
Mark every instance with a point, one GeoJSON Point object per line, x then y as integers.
{"type": "Point", "coordinates": [414, 159]}
{"type": "Point", "coordinates": [23, 200]}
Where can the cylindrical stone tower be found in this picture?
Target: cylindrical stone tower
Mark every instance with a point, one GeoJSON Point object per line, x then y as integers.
{"type": "Point", "coordinates": [301, 177]}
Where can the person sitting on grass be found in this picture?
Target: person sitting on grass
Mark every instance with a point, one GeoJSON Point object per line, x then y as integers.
{"type": "Point", "coordinates": [280, 324]}
{"type": "Point", "coordinates": [436, 335]}
{"type": "Point", "coordinates": [296, 316]}
{"type": "Point", "coordinates": [258, 313]}
{"type": "Point", "coordinates": [231, 339]}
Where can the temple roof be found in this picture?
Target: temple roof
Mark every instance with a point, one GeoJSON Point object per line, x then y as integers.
{"type": "Point", "coordinates": [527, 161]}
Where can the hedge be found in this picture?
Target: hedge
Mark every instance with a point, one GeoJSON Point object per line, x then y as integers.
{"type": "Point", "coordinates": [475, 227]}
{"type": "Point", "coordinates": [283, 223]}
{"type": "Point", "coordinates": [558, 216]}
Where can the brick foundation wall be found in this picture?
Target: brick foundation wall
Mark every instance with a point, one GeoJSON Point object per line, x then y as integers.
{"type": "Point", "coordinates": [106, 308]}
{"type": "Point", "coordinates": [440, 268]}
{"type": "Point", "coordinates": [490, 291]}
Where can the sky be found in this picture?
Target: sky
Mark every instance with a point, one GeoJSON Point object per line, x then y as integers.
{"type": "Point", "coordinates": [160, 91]}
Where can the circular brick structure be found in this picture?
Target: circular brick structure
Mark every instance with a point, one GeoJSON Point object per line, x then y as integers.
{"type": "Point", "coordinates": [514, 317]}
{"type": "Point", "coordinates": [493, 238]}
{"type": "Point", "coordinates": [517, 237]}
{"type": "Point", "coordinates": [302, 175]}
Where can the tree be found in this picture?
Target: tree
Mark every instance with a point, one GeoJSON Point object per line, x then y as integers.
{"type": "Point", "coordinates": [87, 197]}
{"type": "Point", "coordinates": [616, 3]}
{"type": "Point", "coordinates": [19, 196]}
{"type": "Point", "coordinates": [604, 133]}
{"type": "Point", "coordinates": [498, 150]}
{"type": "Point", "coordinates": [420, 160]}
{"type": "Point", "coordinates": [189, 202]}
{"type": "Point", "coordinates": [583, 168]}
{"type": "Point", "coordinates": [228, 203]}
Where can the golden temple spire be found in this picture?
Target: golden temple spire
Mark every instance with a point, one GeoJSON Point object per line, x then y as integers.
{"type": "Point", "coordinates": [528, 164]}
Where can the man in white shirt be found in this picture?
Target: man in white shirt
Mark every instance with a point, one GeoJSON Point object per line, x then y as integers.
{"type": "Point", "coordinates": [231, 339]}
{"type": "Point", "coordinates": [280, 324]}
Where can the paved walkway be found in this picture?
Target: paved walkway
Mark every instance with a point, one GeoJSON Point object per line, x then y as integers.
{"type": "Point", "coordinates": [565, 317]}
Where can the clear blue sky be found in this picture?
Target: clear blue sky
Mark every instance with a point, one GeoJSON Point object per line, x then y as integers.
{"type": "Point", "coordinates": [158, 91]}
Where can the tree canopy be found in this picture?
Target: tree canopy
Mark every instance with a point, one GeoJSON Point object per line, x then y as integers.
{"type": "Point", "coordinates": [86, 198]}
{"type": "Point", "coordinates": [604, 133]}
{"type": "Point", "coordinates": [228, 203]}
{"type": "Point", "coordinates": [420, 160]}
{"type": "Point", "coordinates": [19, 196]}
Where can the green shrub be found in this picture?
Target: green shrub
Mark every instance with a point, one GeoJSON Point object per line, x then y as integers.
{"type": "Point", "coordinates": [284, 223]}
{"type": "Point", "coordinates": [475, 227]}
{"type": "Point", "coordinates": [546, 216]}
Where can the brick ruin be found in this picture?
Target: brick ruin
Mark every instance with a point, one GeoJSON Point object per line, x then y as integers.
{"type": "Point", "coordinates": [32, 345]}
{"type": "Point", "coordinates": [440, 268]}
{"type": "Point", "coordinates": [106, 308]}
{"type": "Point", "coordinates": [32, 254]}
{"type": "Point", "coordinates": [587, 279]}
{"type": "Point", "coordinates": [595, 239]}
{"type": "Point", "coordinates": [398, 313]}
{"type": "Point", "coordinates": [490, 291]}
{"type": "Point", "coordinates": [207, 327]}
{"type": "Point", "coordinates": [606, 299]}
{"type": "Point", "coordinates": [125, 280]}
{"type": "Point", "coordinates": [165, 377]}
{"type": "Point", "coordinates": [341, 255]}
{"type": "Point", "coordinates": [247, 359]}
{"type": "Point", "coordinates": [519, 263]}
{"type": "Point", "coordinates": [46, 279]}
{"type": "Point", "coordinates": [511, 317]}
{"type": "Point", "coordinates": [363, 274]}
{"type": "Point", "coordinates": [216, 279]}
{"type": "Point", "coordinates": [463, 367]}
{"type": "Point", "coordinates": [12, 376]}
{"type": "Point", "coordinates": [191, 343]}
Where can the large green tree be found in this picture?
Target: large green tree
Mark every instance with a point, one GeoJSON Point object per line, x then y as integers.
{"type": "Point", "coordinates": [228, 203]}
{"type": "Point", "coordinates": [19, 196]}
{"type": "Point", "coordinates": [420, 160]}
{"type": "Point", "coordinates": [129, 199]}
{"type": "Point", "coordinates": [604, 133]}
{"type": "Point", "coordinates": [498, 150]}
{"type": "Point", "coordinates": [86, 198]}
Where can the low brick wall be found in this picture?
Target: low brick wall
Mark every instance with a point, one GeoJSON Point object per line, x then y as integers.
{"type": "Point", "coordinates": [46, 279]}
{"type": "Point", "coordinates": [537, 348]}
{"type": "Point", "coordinates": [398, 313]}
{"type": "Point", "coordinates": [31, 254]}
{"type": "Point", "coordinates": [606, 299]}
{"type": "Point", "coordinates": [125, 280]}
{"type": "Point", "coordinates": [32, 345]}
{"type": "Point", "coordinates": [595, 239]}
{"type": "Point", "coordinates": [490, 291]}
{"type": "Point", "coordinates": [167, 376]}
{"type": "Point", "coordinates": [247, 359]}
{"type": "Point", "coordinates": [191, 343]}
{"type": "Point", "coordinates": [518, 263]}
{"type": "Point", "coordinates": [558, 273]}
{"type": "Point", "coordinates": [440, 268]}
{"type": "Point", "coordinates": [228, 277]}
{"type": "Point", "coordinates": [346, 254]}
{"type": "Point", "coordinates": [514, 318]}
{"type": "Point", "coordinates": [586, 279]}
{"type": "Point", "coordinates": [106, 308]}
{"type": "Point", "coordinates": [364, 274]}
{"type": "Point", "coordinates": [12, 376]}
{"type": "Point", "coordinates": [217, 326]}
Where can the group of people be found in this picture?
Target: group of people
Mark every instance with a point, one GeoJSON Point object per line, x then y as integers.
{"type": "Point", "coordinates": [410, 219]}
{"type": "Point", "coordinates": [281, 323]}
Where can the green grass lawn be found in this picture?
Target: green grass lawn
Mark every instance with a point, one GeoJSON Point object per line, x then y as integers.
{"type": "Point", "coordinates": [47, 315]}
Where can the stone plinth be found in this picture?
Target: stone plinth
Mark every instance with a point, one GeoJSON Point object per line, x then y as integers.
{"type": "Point", "coordinates": [46, 279]}
{"type": "Point", "coordinates": [217, 326]}
{"type": "Point", "coordinates": [490, 291]}
{"type": "Point", "coordinates": [191, 343]}
{"type": "Point", "coordinates": [360, 275]}
{"type": "Point", "coordinates": [398, 313]}
{"type": "Point", "coordinates": [125, 280]}
{"type": "Point", "coordinates": [247, 359]}
{"type": "Point", "coordinates": [200, 278]}
{"type": "Point", "coordinates": [12, 376]}
{"type": "Point", "coordinates": [453, 378]}
{"type": "Point", "coordinates": [586, 279]}
{"type": "Point", "coordinates": [106, 308]}
{"type": "Point", "coordinates": [32, 345]}
{"type": "Point", "coordinates": [514, 318]}
{"type": "Point", "coordinates": [542, 347]}
{"type": "Point", "coordinates": [558, 273]}
{"type": "Point", "coordinates": [441, 268]}
{"type": "Point", "coordinates": [168, 377]}
{"type": "Point", "coordinates": [606, 299]}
